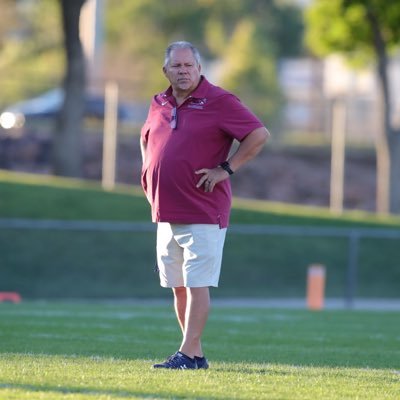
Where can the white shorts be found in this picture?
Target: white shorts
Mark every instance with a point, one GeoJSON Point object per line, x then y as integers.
{"type": "Point", "coordinates": [189, 255]}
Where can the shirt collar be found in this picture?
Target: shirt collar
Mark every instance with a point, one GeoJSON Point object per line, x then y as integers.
{"type": "Point", "coordinates": [199, 93]}
{"type": "Point", "coordinates": [201, 89]}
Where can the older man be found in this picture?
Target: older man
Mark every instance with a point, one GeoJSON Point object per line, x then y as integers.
{"type": "Point", "coordinates": [185, 142]}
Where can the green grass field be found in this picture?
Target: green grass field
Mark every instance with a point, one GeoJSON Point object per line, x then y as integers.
{"type": "Point", "coordinates": [83, 351]}
{"type": "Point", "coordinates": [101, 350]}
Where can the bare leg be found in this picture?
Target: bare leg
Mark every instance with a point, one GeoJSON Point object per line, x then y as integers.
{"type": "Point", "coordinates": [180, 301]}
{"type": "Point", "coordinates": [197, 309]}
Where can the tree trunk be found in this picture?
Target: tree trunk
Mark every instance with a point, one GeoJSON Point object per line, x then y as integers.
{"type": "Point", "coordinates": [387, 187]}
{"type": "Point", "coordinates": [68, 134]}
{"type": "Point", "coordinates": [394, 150]}
{"type": "Point", "coordinates": [382, 173]}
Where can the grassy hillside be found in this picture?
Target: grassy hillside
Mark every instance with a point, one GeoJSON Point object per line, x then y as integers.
{"type": "Point", "coordinates": [42, 197]}
{"type": "Point", "coordinates": [50, 263]}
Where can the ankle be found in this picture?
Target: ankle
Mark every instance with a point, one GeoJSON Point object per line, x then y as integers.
{"type": "Point", "coordinates": [191, 356]}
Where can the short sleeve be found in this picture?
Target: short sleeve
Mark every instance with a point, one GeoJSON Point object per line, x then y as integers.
{"type": "Point", "coordinates": [235, 118]}
{"type": "Point", "coordinates": [144, 133]}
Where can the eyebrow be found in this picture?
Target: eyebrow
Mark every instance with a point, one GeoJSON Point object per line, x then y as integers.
{"type": "Point", "coordinates": [185, 63]}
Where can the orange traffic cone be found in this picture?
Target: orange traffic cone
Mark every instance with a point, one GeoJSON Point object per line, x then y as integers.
{"type": "Point", "coordinates": [316, 287]}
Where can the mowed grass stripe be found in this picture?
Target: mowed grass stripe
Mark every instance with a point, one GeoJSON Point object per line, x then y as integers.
{"type": "Point", "coordinates": [104, 351]}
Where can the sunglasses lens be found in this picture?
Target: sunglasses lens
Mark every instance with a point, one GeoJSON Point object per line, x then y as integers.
{"type": "Point", "coordinates": [173, 118]}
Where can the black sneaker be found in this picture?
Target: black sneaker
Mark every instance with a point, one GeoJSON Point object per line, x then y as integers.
{"type": "Point", "coordinates": [178, 361]}
{"type": "Point", "coordinates": [201, 362]}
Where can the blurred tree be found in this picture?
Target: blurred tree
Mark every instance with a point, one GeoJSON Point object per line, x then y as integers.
{"type": "Point", "coordinates": [30, 57]}
{"type": "Point", "coordinates": [250, 72]}
{"type": "Point", "coordinates": [68, 134]}
{"type": "Point", "coordinates": [31, 62]}
{"type": "Point", "coordinates": [138, 31]}
{"type": "Point", "coordinates": [8, 19]}
{"type": "Point", "coordinates": [246, 65]}
{"type": "Point", "coordinates": [365, 30]}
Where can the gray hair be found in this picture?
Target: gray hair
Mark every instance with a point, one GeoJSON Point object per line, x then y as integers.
{"type": "Point", "coordinates": [181, 45]}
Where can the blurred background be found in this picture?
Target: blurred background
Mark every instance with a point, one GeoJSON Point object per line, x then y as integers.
{"type": "Point", "coordinates": [77, 77]}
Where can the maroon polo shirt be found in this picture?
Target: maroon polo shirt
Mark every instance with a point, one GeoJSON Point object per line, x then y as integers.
{"type": "Point", "coordinates": [180, 140]}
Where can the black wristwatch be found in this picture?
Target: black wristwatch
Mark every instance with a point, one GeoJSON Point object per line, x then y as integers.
{"type": "Point", "coordinates": [225, 165]}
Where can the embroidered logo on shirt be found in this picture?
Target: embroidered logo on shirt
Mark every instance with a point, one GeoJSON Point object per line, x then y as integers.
{"type": "Point", "coordinates": [198, 104]}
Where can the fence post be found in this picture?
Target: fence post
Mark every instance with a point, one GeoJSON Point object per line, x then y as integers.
{"type": "Point", "coordinates": [338, 156]}
{"type": "Point", "coordinates": [352, 266]}
{"type": "Point", "coordinates": [110, 136]}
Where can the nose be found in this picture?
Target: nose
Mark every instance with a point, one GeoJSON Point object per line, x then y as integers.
{"type": "Point", "coordinates": [182, 70]}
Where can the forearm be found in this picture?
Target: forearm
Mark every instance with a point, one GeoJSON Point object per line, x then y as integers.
{"type": "Point", "coordinates": [249, 148]}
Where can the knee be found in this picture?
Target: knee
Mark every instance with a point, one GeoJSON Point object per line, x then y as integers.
{"type": "Point", "coordinates": [179, 292]}
{"type": "Point", "coordinates": [199, 291]}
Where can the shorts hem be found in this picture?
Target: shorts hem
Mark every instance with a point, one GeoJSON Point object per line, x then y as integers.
{"type": "Point", "coordinates": [197, 285]}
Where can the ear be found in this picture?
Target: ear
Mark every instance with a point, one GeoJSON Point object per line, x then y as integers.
{"type": "Point", "coordinates": [164, 70]}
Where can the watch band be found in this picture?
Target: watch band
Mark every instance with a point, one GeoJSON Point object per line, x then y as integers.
{"type": "Point", "coordinates": [225, 165]}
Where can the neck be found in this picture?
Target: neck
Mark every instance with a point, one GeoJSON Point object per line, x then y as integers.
{"type": "Point", "coordinates": [182, 95]}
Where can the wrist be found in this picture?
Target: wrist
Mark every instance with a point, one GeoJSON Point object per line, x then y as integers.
{"type": "Point", "coordinates": [226, 166]}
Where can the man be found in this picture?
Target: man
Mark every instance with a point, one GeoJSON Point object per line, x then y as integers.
{"type": "Point", "coordinates": [185, 145]}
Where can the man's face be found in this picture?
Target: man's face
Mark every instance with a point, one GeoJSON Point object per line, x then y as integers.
{"type": "Point", "coordinates": [183, 72]}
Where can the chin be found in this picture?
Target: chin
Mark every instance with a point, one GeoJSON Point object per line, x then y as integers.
{"type": "Point", "coordinates": [185, 86]}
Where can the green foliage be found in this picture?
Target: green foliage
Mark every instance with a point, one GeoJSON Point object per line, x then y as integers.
{"type": "Point", "coordinates": [250, 72]}
{"type": "Point", "coordinates": [244, 38]}
{"type": "Point", "coordinates": [31, 57]}
{"type": "Point", "coordinates": [58, 351]}
{"type": "Point", "coordinates": [342, 26]}
{"type": "Point", "coordinates": [137, 33]}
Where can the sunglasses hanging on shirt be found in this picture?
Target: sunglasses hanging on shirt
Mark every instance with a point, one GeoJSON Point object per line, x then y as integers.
{"type": "Point", "coordinates": [174, 118]}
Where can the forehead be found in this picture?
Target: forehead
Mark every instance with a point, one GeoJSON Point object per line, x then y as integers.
{"type": "Point", "coordinates": [182, 56]}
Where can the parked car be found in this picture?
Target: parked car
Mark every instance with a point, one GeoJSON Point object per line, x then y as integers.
{"type": "Point", "coordinates": [49, 104]}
